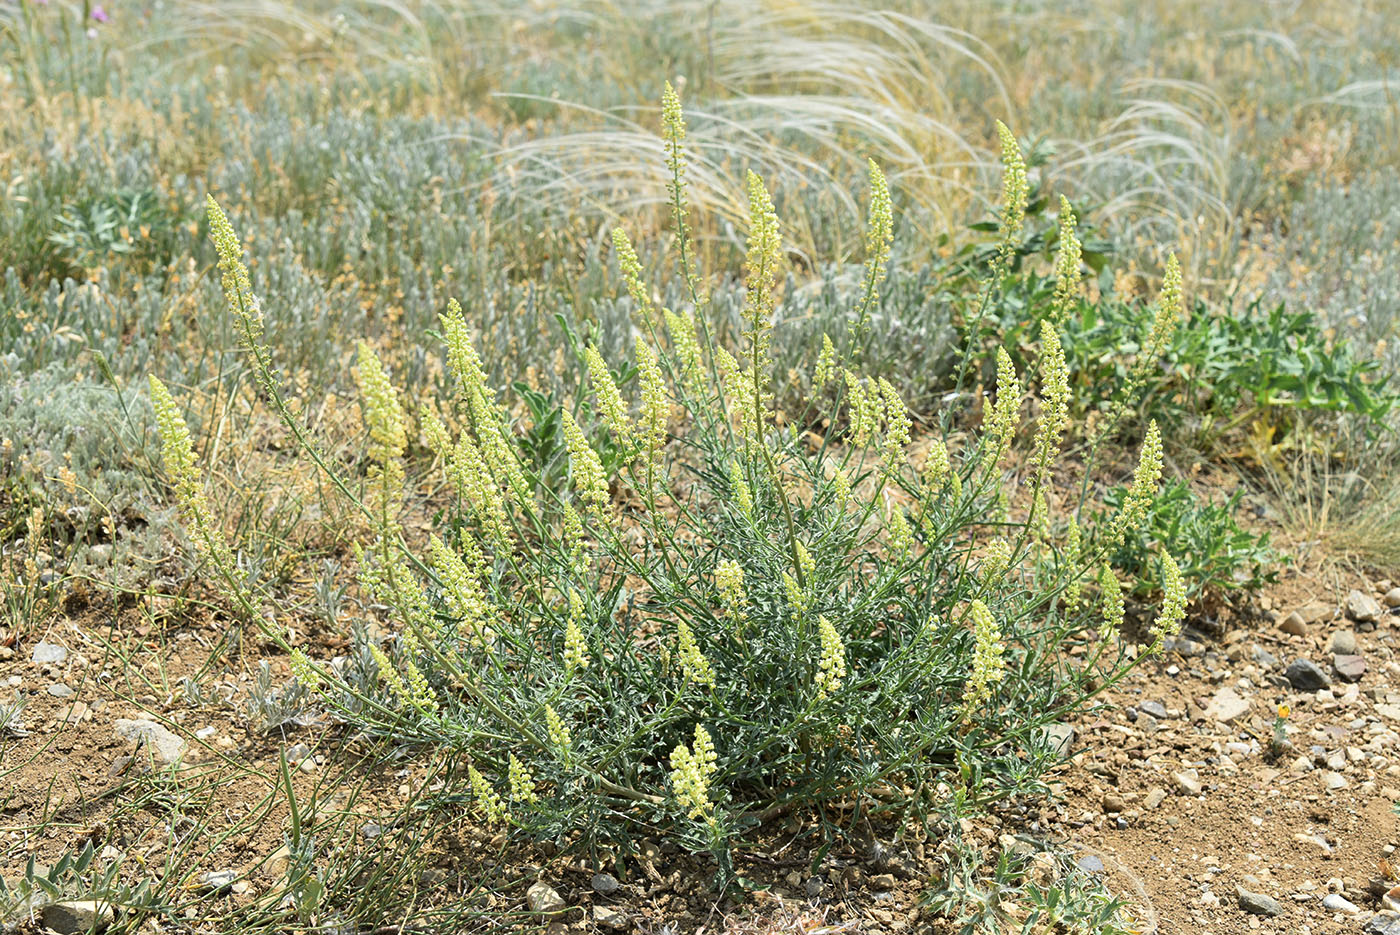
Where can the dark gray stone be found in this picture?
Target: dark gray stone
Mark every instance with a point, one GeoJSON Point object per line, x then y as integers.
{"type": "Point", "coordinates": [1306, 676]}
{"type": "Point", "coordinates": [1257, 903]}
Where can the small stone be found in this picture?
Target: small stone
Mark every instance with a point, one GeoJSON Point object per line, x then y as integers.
{"type": "Point", "coordinates": [1262, 657]}
{"type": "Point", "coordinates": [1293, 625]}
{"type": "Point", "coordinates": [1154, 708]}
{"type": "Point", "coordinates": [1316, 613]}
{"type": "Point", "coordinates": [605, 884]}
{"type": "Point", "coordinates": [544, 900]}
{"type": "Point", "coordinates": [1257, 903]}
{"type": "Point", "coordinates": [167, 747]}
{"type": "Point", "coordinates": [1344, 642]}
{"type": "Point", "coordinates": [49, 654]}
{"type": "Point", "coordinates": [1058, 737]}
{"type": "Point", "coordinates": [77, 916]}
{"type": "Point", "coordinates": [204, 733]}
{"type": "Point", "coordinates": [883, 882]}
{"type": "Point", "coordinates": [814, 886]}
{"type": "Point", "coordinates": [1306, 676]}
{"type": "Point", "coordinates": [1155, 798]}
{"type": "Point", "coordinates": [1363, 608]}
{"type": "Point", "coordinates": [1314, 841]}
{"type": "Point", "coordinates": [1226, 706]}
{"type": "Point", "coordinates": [1334, 781]}
{"type": "Point", "coordinates": [1338, 903]}
{"type": "Point", "coordinates": [1090, 864]}
{"type": "Point", "coordinates": [1113, 804]}
{"type": "Point", "coordinates": [1382, 923]}
{"type": "Point", "coordinates": [59, 690]}
{"type": "Point", "coordinates": [1392, 598]}
{"type": "Point", "coordinates": [1188, 782]}
{"type": "Point", "coordinates": [610, 918]}
{"type": "Point", "coordinates": [1349, 668]}
{"type": "Point", "coordinates": [297, 752]}
{"type": "Point", "coordinates": [217, 882]}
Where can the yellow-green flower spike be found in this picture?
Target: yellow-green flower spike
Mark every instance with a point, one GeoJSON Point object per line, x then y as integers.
{"type": "Point", "coordinates": [691, 773]}
{"type": "Point", "coordinates": [557, 730]}
{"type": "Point", "coordinates": [1110, 602]}
{"type": "Point", "coordinates": [826, 364]}
{"type": "Point", "coordinates": [655, 407]}
{"type": "Point", "coordinates": [681, 328]}
{"type": "Point", "coordinates": [879, 235]}
{"type": "Point", "coordinates": [1173, 612]}
{"type": "Point", "coordinates": [1144, 488]}
{"type": "Point", "coordinates": [610, 405]}
{"type": "Point", "coordinates": [1054, 396]}
{"type": "Point", "coordinates": [1005, 413]}
{"type": "Point", "coordinates": [899, 536]}
{"type": "Point", "coordinates": [995, 562]}
{"type": "Point", "coordinates": [302, 670]}
{"type": "Point", "coordinates": [1068, 256]}
{"type": "Point", "coordinates": [1169, 309]}
{"type": "Point", "coordinates": [1073, 545]}
{"type": "Point", "coordinates": [831, 667]}
{"type": "Point", "coordinates": [238, 291]}
{"type": "Point", "coordinates": [522, 784]}
{"type": "Point", "coordinates": [492, 808]}
{"type": "Point", "coordinates": [575, 649]}
{"type": "Point", "coordinates": [632, 273]}
{"type": "Point", "coordinates": [589, 479]}
{"type": "Point", "coordinates": [988, 662]}
{"type": "Point", "coordinates": [384, 418]}
{"type": "Point", "coordinates": [897, 426]}
{"type": "Point", "coordinates": [729, 582]}
{"type": "Point", "coordinates": [765, 257]}
{"type": "Point", "coordinates": [694, 666]}
{"type": "Point", "coordinates": [743, 496]}
{"type": "Point", "coordinates": [1015, 190]}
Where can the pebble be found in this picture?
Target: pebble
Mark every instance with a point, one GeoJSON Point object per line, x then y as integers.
{"type": "Point", "coordinates": [1363, 608]}
{"type": "Point", "coordinates": [544, 900]}
{"type": "Point", "coordinates": [1113, 804]}
{"type": "Point", "coordinates": [1188, 782]}
{"type": "Point", "coordinates": [81, 915]}
{"type": "Point", "coordinates": [168, 748]}
{"type": "Point", "coordinates": [1316, 613]}
{"type": "Point", "coordinates": [1155, 798]}
{"type": "Point", "coordinates": [1334, 781]}
{"type": "Point", "coordinates": [1257, 903]}
{"type": "Point", "coordinates": [610, 918]}
{"type": "Point", "coordinates": [1226, 706]}
{"type": "Point", "coordinates": [1154, 708]}
{"type": "Point", "coordinates": [1339, 903]}
{"type": "Point", "coordinates": [1090, 864]}
{"type": "Point", "coordinates": [49, 654]}
{"type": "Point", "coordinates": [1382, 923]}
{"type": "Point", "coordinates": [297, 752]}
{"type": "Point", "coordinates": [1392, 598]}
{"type": "Point", "coordinates": [1306, 676]}
{"type": "Point", "coordinates": [217, 882]}
{"type": "Point", "coordinates": [1349, 668]}
{"type": "Point", "coordinates": [1344, 642]}
{"type": "Point", "coordinates": [1293, 625]}
{"type": "Point", "coordinates": [1058, 737]}
{"type": "Point", "coordinates": [814, 886]}
{"type": "Point", "coordinates": [605, 884]}
{"type": "Point", "coordinates": [59, 690]}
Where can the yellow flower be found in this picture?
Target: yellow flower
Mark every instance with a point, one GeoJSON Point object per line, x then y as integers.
{"type": "Point", "coordinates": [995, 562]}
{"type": "Point", "coordinates": [655, 408]}
{"type": "Point", "coordinates": [1005, 413]}
{"type": "Point", "coordinates": [899, 534]}
{"type": "Point", "coordinates": [522, 784]}
{"type": "Point", "coordinates": [826, 364]}
{"type": "Point", "coordinates": [413, 693]}
{"type": "Point", "coordinates": [729, 582]}
{"type": "Point", "coordinates": [761, 277]}
{"type": "Point", "coordinates": [694, 666]}
{"type": "Point", "coordinates": [1110, 602]}
{"type": "Point", "coordinates": [575, 649]}
{"type": "Point", "coordinates": [575, 542]}
{"type": "Point", "coordinates": [1067, 260]}
{"type": "Point", "coordinates": [1014, 192]}
{"type": "Point", "coordinates": [1144, 488]}
{"type": "Point", "coordinates": [384, 418]}
{"type": "Point", "coordinates": [743, 496]}
{"type": "Point", "coordinates": [1054, 409]}
{"type": "Point", "coordinates": [492, 808]}
{"type": "Point", "coordinates": [632, 272]}
{"type": "Point", "coordinates": [879, 235]}
{"type": "Point", "coordinates": [302, 670]}
{"type": "Point", "coordinates": [462, 591]}
{"type": "Point", "coordinates": [831, 668]}
{"type": "Point", "coordinates": [687, 348]}
{"type": "Point", "coordinates": [897, 425]}
{"type": "Point", "coordinates": [1073, 545]}
{"type": "Point", "coordinates": [988, 663]}
{"type": "Point", "coordinates": [610, 405]}
{"type": "Point", "coordinates": [556, 728]}
{"type": "Point", "coordinates": [233, 274]}
{"type": "Point", "coordinates": [1173, 610]}
{"type": "Point", "coordinates": [692, 772]}
{"type": "Point", "coordinates": [841, 486]}
{"type": "Point", "coordinates": [589, 479]}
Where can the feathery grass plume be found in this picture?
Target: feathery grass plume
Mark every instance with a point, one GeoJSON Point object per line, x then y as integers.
{"type": "Point", "coordinates": [1068, 255]}
{"type": "Point", "coordinates": [1173, 612]}
{"type": "Point", "coordinates": [831, 667]}
{"type": "Point", "coordinates": [557, 730]}
{"type": "Point", "coordinates": [673, 130]}
{"type": "Point", "coordinates": [1073, 546]}
{"type": "Point", "coordinates": [729, 582]}
{"type": "Point", "coordinates": [765, 255]}
{"type": "Point", "coordinates": [879, 235]}
{"type": "Point", "coordinates": [384, 418]}
{"type": "Point", "coordinates": [899, 536]}
{"type": "Point", "coordinates": [897, 426]}
{"type": "Point", "coordinates": [694, 666]}
{"type": "Point", "coordinates": [655, 407]}
{"type": "Point", "coordinates": [1110, 602]}
{"type": "Point", "coordinates": [589, 479]}
{"type": "Point", "coordinates": [691, 773]}
{"type": "Point", "coordinates": [988, 662]}
{"type": "Point", "coordinates": [826, 364]}
{"type": "Point", "coordinates": [631, 268]}
{"type": "Point", "coordinates": [1015, 190]}
{"type": "Point", "coordinates": [1054, 408]}
{"type": "Point", "coordinates": [1001, 420]}
{"type": "Point", "coordinates": [233, 275]}
{"type": "Point", "coordinates": [462, 590]}
{"type": "Point", "coordinates": [177, 451]}
{"type": "Point", "coordinates": [682, 331]}
{"type": "Point", "coordinates": [1144, 488]}
{"type": "Point", "coordinates": [522, 784]}
{"type": "Point", "coordinates": [610, 405]}
{"type": "Point", "coordinates": [743, 496]}
{"type": "Point", "coordinates": [492, 808]}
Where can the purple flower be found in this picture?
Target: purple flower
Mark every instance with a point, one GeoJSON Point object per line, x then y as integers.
{"type": "Point", "coordinates": [100, 15]}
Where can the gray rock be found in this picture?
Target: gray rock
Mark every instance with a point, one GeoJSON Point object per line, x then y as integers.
{"type": "Point", "coordinates": [1188, 782]}
{"type": "Point", "coordinates": [1155, 798]}
{"type": "Point", "coordinates": [1363, 608]}
{"type": "Point", "coordinates": [1383, 923]}
{"type": "Point", "coordinates": [217, 882]}
{"type": "Point", "coordinates": [1392, 598]}
{"type": "Point", "coordinates": [814, 886]}
{"type": "Point", "coordinates": [48, 654]}
{"type": "Point", "coordinates": [1344, 642]}
{"type": "Point", "coordinates": [610, 918]}
{"type": "Point", "coordinates": [1339, 903]}
{"type": "Point", "coordinates": [544, 900]}
{"type": "Point", "coordinates": [1306, 676]}
{"type": "Point", "coordinates": [1349, 668]}
{"type": "Point", "coordinates": [1090, 864]}
{"type": "Point", "coordinates": [1334, 781]}
{"type": "Point", "coordinates": [605, 884]}
{"type": "Point", "coordinates": [1316, 613]}
{"type": "Point", "coordinates": [166, 746]}
{"type": "Point", "coordinates": [1262, 657]}
{"type": "Point", "coordinates": [77, 916]}
{"type": "Point", "coordinates": [1154, 708]}
{"type": "Point", "coordinates": [297, 752]}
{"type": "Point", "coordinates": [1257, 903]}
{"type": "Point", "coordinates": [1226, 706]}
{"type": "Point", "coordinates": [59, 690]}
{"type": "Point", "coordinates": [1058, 737]}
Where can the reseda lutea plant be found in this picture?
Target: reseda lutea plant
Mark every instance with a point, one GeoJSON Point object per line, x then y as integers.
{"type": "Point", "coordinates": [743, 620]}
